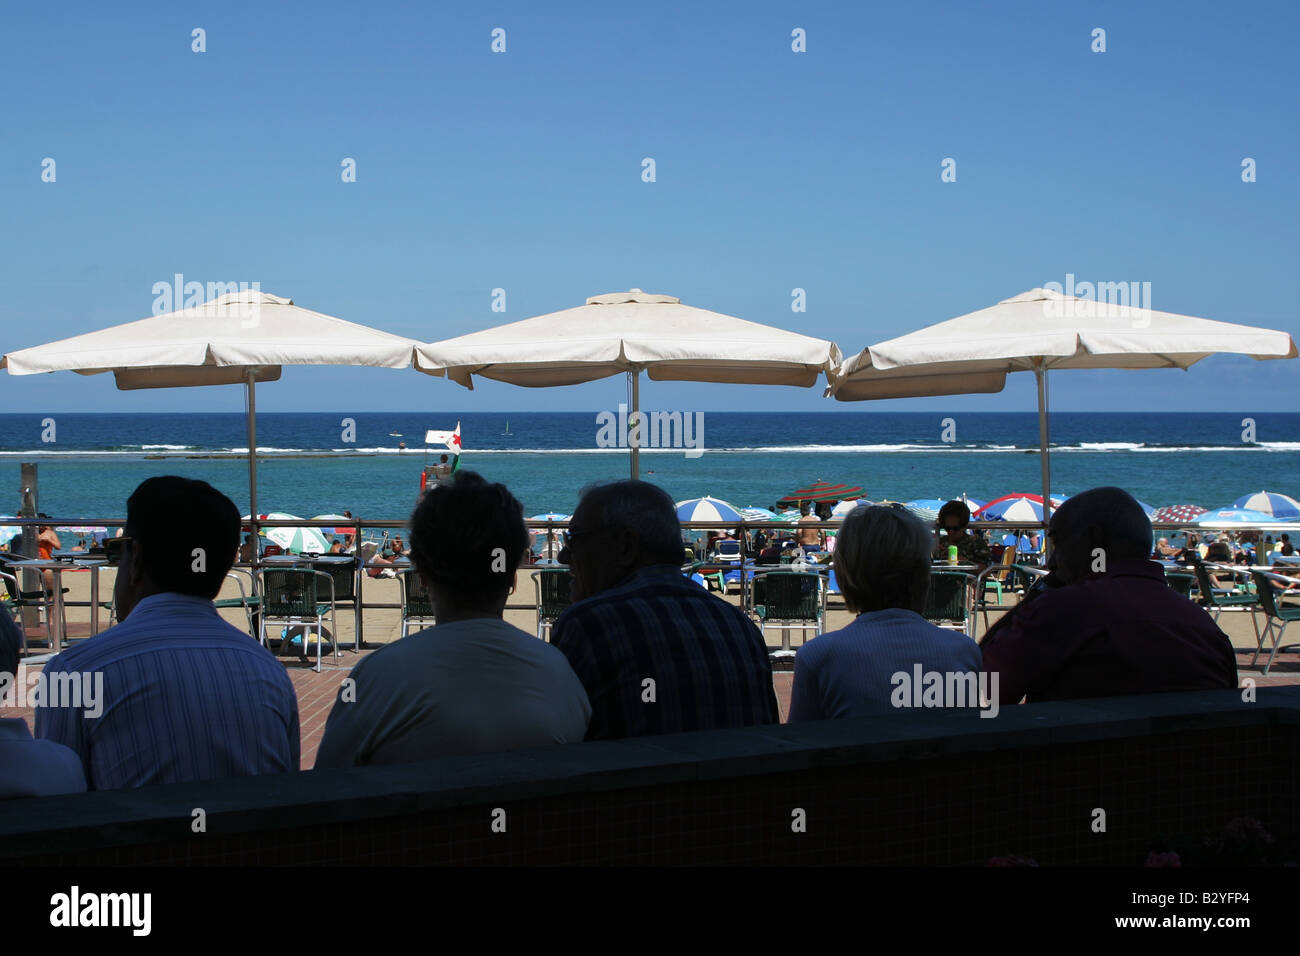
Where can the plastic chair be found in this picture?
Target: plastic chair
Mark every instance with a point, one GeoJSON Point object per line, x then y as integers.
{"type": "Point", "coordinates": [553, 599]}
{"type": "Point", "coordinates": [290, 596]}
{"type": "Point", "coordinates": [417, 602]}
{"type": "Point", "coordinates": [1273, 611]}
{"type": "Point", "coordinates": [996, 576]}
{"type": "Point", "coordinates": [1181, 581]}
{"type": "Point", "coordinates": [1216, 599]}
{"type": "Point", "coordinates": [948, 603]}
{"type": "Point", "coordinates": [250, 605]}
{"type": "Point", "coordinates": [728, 550]}
{"type": "Point", "coordinates": [790, 600]}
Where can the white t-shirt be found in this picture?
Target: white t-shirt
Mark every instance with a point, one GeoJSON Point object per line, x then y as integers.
{"type": "Point", "coordinates": [476, 686]}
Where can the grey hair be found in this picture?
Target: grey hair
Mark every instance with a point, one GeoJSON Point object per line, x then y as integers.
{"type": "Point", "coordinates": [1124, 528]}
{"type": "Point", "coordinates": [641, 507]}
{"type": "Point", "coordinates": [882, 559]}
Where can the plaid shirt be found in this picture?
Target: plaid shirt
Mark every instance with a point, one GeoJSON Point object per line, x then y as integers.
{"type": "Point", "coordinates": [708, 661]}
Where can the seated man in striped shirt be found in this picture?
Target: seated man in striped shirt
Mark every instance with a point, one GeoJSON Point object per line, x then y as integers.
{"type": "Point", "coordinates": [656, 653]}
{"type": "Point", "coordinates": [185, 696]}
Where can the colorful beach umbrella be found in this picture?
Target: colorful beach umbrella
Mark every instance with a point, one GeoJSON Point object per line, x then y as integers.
{"type": "Point", "coordinates": [822, 491]}
{"type": "Point", "coordinates": [293, 540]}
{"type": "Point", "coordinates": [760, 514]}
{"type": "Point", "coordinates": [550, 516]}
{"type": "Point", "coordinates": [1234, 516]}
{"type": "Point", "coordinates": [1177, 514]}
{"type": "Point", "coordinates": [1281, 507]}
{"type": "Point", "coordinates": [707, 509]}
{"type": "Point", "coordinates": [927, 509]}
{"type": "Point", "coordinates": [1015, 507]}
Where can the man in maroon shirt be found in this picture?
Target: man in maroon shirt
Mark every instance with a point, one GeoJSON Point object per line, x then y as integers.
{"type": "Point", "coordinates": [1104, 622]}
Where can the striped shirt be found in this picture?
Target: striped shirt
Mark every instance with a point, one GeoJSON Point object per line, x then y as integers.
{"type": "Point", "coordinates": [707, 660]}
{"type": "Point", "coordinates": [185, 696]}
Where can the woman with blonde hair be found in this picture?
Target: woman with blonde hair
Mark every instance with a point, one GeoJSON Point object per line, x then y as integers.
{"type": "Point", "coordinates": [882, 563]}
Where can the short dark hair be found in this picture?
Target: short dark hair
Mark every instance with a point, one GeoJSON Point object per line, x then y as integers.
{"type": "Point", "coordinates": [169, 518]}
{"type": "Point", "coordinates": [956, 508]}
{"type": "Point", "coordinates": [467, 538]}
{"type": "Point", "coordinates": [1124, 527]}
{"type": "Point", "coordinates": [643, 507]}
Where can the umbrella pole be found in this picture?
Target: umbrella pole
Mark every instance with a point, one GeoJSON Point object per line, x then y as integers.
{"type": "Point", "coordinates": [634, 383]}
{"type": "Point", "coordinates": [252, 468]}
{"type": "Point", "coordinates": [1044, 457]}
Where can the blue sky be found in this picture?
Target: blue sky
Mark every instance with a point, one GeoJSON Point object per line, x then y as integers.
{"type": "Point", "coordinates": [522, 170]}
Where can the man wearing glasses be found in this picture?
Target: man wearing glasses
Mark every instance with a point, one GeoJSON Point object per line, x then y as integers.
{"type": "Point", "coordinates": [186, 696]}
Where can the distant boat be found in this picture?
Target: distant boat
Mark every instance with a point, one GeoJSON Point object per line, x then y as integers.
{"type": "Point", "coordinates": [507, 431]}
{"type": "Point", "coordinates": [395, 435]}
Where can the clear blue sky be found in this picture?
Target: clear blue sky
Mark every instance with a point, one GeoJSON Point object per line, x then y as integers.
{"type": "Point", "coordinates": [522, 170]}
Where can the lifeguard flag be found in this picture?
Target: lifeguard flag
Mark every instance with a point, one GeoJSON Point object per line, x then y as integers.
{"type": "Point", "coordinates": [451, 440]}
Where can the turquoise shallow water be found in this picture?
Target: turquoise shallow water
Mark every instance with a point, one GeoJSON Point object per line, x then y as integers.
{"type": "Point", "coordinates": [749, 459]}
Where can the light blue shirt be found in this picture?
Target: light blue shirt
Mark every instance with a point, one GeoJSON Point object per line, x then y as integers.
{"type": "Point", "coordinates": [35, 768]}
{"type": "Point", "coordinates": [186, 696]}
{"type": "Point", "coordinates": [850, 672]}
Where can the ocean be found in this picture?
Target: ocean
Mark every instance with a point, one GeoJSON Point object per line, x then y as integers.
{"type": "Point", "coordinates": [89, 463]}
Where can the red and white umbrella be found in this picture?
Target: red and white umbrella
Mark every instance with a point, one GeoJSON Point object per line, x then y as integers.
{"type": "Point", "coordinates": [1175, 514]}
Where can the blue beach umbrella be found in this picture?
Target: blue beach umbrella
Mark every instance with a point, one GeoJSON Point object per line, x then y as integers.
{"type": "Point", "coordinates": [550, 516]}
{"type": "Point", "coordinates": [1281, 507]}
{"type": "Point", "coordinates": [927, 509]}
{"type": "Point", "coordinates": [707, 509]}
{"type": "Point", "coordinates": [1234, 516]}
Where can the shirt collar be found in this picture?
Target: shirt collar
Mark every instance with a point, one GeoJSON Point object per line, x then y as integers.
{"type": "Point", "coordinates": [172, 598]}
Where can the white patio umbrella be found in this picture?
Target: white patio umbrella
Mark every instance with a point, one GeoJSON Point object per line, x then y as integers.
{"type": "Point", "coordinates": [241, 337]}
{"type": "Point", "coordinates": [1037, 331]}
{"type": "Point", "coordinates": [630, 332]}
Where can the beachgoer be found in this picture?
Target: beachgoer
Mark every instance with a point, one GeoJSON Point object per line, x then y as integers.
{"type": "Point", "coordinates": [47, 542]}
{"type": "Point", "coordinates": [637, 618]}
{"type": "Point", "coordinates": [807, 536]}
{"type": "Point", "coordinates": [953, 529]}
{"type": "Point", "coordinates": [1164, 549]}
{"type": "Point", "coordinates": [471, 683]}
{"type": "Point", "coordinates": [442, 469]}
{"type": "Point", "coordinates": [1099, 629]}
{"type": "Point", "coordinates": [1286, 548]}
{"type": "Point", "coordinates": [30, 767]}
{"type": "Point", "coordinates": [882, 564]}
{"type": "Point", "coordinates": [189, 697]}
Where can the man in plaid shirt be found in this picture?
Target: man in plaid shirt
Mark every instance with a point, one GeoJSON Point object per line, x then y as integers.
{"type": "Point", "coordinates": [656, 653]}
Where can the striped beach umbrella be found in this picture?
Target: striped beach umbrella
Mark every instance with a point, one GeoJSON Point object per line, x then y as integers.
{"type": "Point", "coordinates": [707, 509]}
{"type": "Point", "coordinates": [1234, 516]}
{"type": "Point", "coordinates": [1015, 507]}
{"type": "Point", "coordinates": [1281, 507]}
{"type": "Point", "coordinates": [822, 491]}
{"type": "Point", "coordinates": [927, 509]}
{"type": "Point", "coordinates": [760, 514]}
{"type": "Point", "coordinates": [293, 540]}
{"type": "Point", "coordinates": [1175, 514]}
